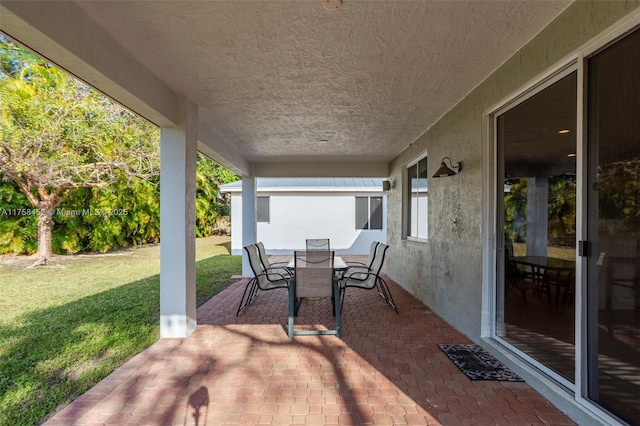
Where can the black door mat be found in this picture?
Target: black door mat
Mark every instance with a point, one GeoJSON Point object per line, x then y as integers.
{"type": "Point", "coordinates": [478, 364]}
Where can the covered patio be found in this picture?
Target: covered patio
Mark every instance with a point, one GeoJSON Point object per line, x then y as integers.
{"type": "Point", "coordinates": [386, 369]}
{"type": "Point", "coordinates": [363, 89]}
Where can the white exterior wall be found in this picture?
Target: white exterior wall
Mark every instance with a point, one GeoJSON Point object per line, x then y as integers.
{"type": "Point", "coordinates": [296, 217]}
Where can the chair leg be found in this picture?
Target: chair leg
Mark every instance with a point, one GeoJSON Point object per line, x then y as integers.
{"type": "Point", "coordinates": [251, 286]}
{"type": "Point", "coordinates": [253, 292]}
{"type": "Point", "coordinates": [389, 298]}
{"type": "Point", "coordinates": [336, 308]}
{"type": "Point", "coordinates": [297, 304]}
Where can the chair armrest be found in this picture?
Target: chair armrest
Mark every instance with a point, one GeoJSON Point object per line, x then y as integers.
{"type": "Point", "coordinates": [359, 275]}
{"type": "Point", "coordinates": [270, 275]}
{"type": "Point", "coordinates": [276, 268]}
{"type": "Point", "coordinates": [363, 268]}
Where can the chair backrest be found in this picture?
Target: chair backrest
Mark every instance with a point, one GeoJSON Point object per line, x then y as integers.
{"type": "Point", "coordinates": [264, 259]}
{"type": "Point", "coordinates": [511, 271]}
{"type": "Point", "coordinates": [254, 259]}
{"type": "Point", "coordinates": [508, 248]}
{"type": "Point", "coordinates": [256, 265]}
{"type": "Point", "coordinates": [378, 260]}
{"type": "Point", "coordinates": [376, 267]}
{"type": "Point", "coordinates": [316, 244]}
{"type": "Point", "coordinates": [314, 273]}
{"type": "Point", "coordinates": [372, 253]}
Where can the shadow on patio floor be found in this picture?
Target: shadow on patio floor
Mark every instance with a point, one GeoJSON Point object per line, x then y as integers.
{"type": "Point", "coordinates": [386, 369]}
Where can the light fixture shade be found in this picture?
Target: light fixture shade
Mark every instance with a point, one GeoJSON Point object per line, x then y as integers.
{"type": "Point", "coordinates": [444, 171]}
{"type": "Point", "coordinates": [386, 185]}
{"type": "Point", "coordinates": [447, 171]}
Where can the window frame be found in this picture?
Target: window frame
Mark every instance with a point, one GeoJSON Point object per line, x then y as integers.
{"type": "Point", "coordinates": [407, 198]}
{"type": "Point", "coordinates": [267, 209]}
{"type": "Point", "coordinates": [369, 213]}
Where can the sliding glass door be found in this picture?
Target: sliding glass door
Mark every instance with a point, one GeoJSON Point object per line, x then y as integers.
{"type": "Point", "coordinates": [542, 225]}
{"type": "Point", "coordinates": [536, 222]}
{"type": "Point", "coordinates": [613, 119]}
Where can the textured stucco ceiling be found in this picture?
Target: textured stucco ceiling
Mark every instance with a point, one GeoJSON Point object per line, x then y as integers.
{"type": "Point", "coordinates": [291, 81]}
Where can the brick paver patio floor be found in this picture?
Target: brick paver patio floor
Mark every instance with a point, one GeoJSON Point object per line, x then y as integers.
{"type": "Point", "coordinates": [386, 369]}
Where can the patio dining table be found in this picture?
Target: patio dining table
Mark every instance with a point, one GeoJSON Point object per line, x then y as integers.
{"type": "Point", "coordinates": [339, 265]}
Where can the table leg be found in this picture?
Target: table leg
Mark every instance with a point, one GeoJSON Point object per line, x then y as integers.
{"type": "Point", "coordinates": [292, 306]}
{"type": "Point", "coordinates": [336, 306]}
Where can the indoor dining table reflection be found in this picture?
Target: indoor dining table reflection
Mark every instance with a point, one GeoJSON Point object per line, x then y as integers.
{"type": "Point", "coordinates": [548, 272]}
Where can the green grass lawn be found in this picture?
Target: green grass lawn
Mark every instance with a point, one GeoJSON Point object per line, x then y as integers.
{"type": "Point", "coordinates": [567, 253]}
{"type": "Point", "coordinates": [66, 326]}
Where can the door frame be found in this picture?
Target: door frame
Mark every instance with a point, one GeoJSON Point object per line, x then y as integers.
{"type": "Point", "coordinates": [544, 382]}
{"type": "Point", "coordinates": [496, 248]}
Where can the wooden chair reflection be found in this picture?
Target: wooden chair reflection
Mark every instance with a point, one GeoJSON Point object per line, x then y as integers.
{"type": "Point", "coordinates": [517, 278]}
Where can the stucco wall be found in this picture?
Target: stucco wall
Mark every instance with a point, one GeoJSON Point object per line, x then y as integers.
{"type": "Point", "coordinates": [296, 217]}
{"type": "Point", "coordinates": [445, 271]}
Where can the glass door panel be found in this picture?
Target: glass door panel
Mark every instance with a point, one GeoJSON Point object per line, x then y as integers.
{"type": "Point", "coordinates": [536, 213]}
{"type": "Point", "coordinates": [614, 228]}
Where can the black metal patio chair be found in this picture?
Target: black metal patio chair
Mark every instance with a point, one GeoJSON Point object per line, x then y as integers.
{"type": "Point", "coordinates": [368, 278]}
{"type": "Point", "coordinates": [277, 267]}
{"type": "Point", "coordinates": [262, 280]}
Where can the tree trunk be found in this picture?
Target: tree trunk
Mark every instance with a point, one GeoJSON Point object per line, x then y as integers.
{"type": "Point", "coordinates": [45, 224]}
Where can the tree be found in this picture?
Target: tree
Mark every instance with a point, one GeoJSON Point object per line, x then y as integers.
{"type": "Point", "coordinates": [210, 203]}
{"type": "Point", "coordinates": [57, 134]}
{"type": "Point", "coordinates": [515, 210]}
{"type": "Point", "coordinates": [562, 210]}
{"type": "Point", "coordinates": [619, 195]}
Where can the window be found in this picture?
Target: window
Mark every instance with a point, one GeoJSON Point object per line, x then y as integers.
{"type": "Point", "coordinates": [368, 212]}
{"type": "Point", "coordinates": [417, 199]}
{"type": "Point", "coordinates": [262, 206]}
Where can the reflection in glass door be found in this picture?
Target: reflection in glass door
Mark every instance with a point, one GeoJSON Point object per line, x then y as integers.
{"type": "Point", "coordinates": [536, 214]}
{"type": "Point", "coordinates": [614, 228]}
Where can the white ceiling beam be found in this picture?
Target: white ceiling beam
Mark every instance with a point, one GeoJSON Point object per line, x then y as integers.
{"type": "Point", "coordinates": [322, 169]}
{"type": "Point", "coordinates": [212, 144]}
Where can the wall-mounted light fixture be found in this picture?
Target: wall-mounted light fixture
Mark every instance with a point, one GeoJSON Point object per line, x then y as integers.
{"type": "Point", "coordinates": [448, 171]}
{"type": "Point", "coordinates": [387, 185]}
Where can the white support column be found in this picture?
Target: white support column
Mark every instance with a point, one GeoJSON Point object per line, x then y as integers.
{"type": "Point", "coordinates": [249, 231]}
{"type": "Point", "coordinates": [537, 222]}
{"type": "Point", "coordinates": [178, 154]}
